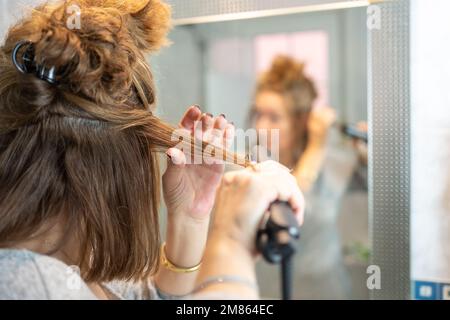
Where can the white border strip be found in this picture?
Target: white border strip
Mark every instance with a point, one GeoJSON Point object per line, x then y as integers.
{"type": "Point", "coordinates": [273, 12]}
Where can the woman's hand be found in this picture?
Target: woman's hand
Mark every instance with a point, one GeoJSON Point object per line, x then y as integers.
{"type": "Point", "coordinates": [310, 163]}
{"type": "Point", "coordinates": [245, 195]}
{"type": "Point", "coordinates": [320, 121]}
{"type": "Point", "coordinates": [189, 192]}
{"type": "Point", "coordinates": [243, 198]}
{"type": "Point", "coordinates": [361, 146]}
{"type": "Point", "coordinates": [189, 189]}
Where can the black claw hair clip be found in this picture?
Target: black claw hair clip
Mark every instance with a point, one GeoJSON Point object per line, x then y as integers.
{"type": "Point", "coordinates": [26, 64]}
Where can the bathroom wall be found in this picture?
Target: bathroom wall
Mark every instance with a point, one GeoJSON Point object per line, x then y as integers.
{"type": "Point", "coordinates": [430, 158]}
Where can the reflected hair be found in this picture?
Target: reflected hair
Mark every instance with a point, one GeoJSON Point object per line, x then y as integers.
{"type": "Point", "coordinates": [287, 78]}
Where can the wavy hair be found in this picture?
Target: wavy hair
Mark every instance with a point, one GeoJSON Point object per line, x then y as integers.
{"type": "Point", "coordinates": [86, 148]}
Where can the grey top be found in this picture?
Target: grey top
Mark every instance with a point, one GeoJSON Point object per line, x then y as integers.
{"type": "Point", "coordinates": [30, 276]}
{"type": "Point", "coordinates": [25, 275]}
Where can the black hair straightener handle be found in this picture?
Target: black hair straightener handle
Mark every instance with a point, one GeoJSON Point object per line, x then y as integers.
{"type": "Point", "coordinates": [276, 241]}
{"type": "Point", "coordinates": [352, 131]}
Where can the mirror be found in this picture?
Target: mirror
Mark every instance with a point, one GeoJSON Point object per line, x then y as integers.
{"type": "Point", "coordinates": [220, 66]}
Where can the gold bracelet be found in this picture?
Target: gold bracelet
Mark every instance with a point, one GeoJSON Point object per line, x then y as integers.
{"type": "Point", "coordinates": [172, 267]}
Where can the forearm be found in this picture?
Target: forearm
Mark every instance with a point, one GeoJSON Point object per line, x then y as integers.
{"type": "Point", "coordinates": [185, 246]}
{"type": "Point", "coordinates": [310, 164]}
{"type": "Point", "coordinates": [227, 257]}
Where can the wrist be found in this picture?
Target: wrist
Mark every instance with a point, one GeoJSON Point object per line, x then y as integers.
{"type": "Point", "coordinates": [232, 236]}
{"type": "Point", "coordinates": [229, 268]}
{"type": "Point", "coordinates": [186, 240]}
{"type": "Point", "coordinates": [188, 216]}
{"type": "Point", "coordinates": [317, 141]}
{"type": "Point", "coordinates": [187, 219]}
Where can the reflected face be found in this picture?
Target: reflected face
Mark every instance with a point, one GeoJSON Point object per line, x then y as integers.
{"type": "Point", "coordinates": [271, 112]}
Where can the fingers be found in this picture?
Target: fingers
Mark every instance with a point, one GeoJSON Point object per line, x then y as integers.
{"type": "Point", "coordinates": [270, 166]}
{"type": "Point", "coordinates": [297, 202]}
{"type": "Point", "coordinates": [247, 194]}
{"type": "Point", "coordinates": [363, 126]}
{"type": "Point", "coordinates": [203, 126]}
{"type": "Point", "coordinates": [271, 181]}
{"type": "Point", "coordinates": [176, 157]}
{"type": "Point", "coordinates": [286, 187]}
{"type": "Point", "coordinates": [220, 122]}
{"type": "Point", "coordinates": [191, 116]}
{"type": "Point", "coordinates": [285, 184]}
{"type": "Point", "coordinates": [207, 122]}
{"type": "Point", "coordinates": [230, 132]}
{"type": "Point", "coordinates": [324, 115]}
{"type": "Point", "coordinates": [216, 131]}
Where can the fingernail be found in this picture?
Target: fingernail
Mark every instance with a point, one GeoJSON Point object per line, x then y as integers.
{"type": "Point", "coordinates": [210, 115]}
{"type": "Point", "coordinates": [169, 156]}
{"type": "Point", "coordinates": [232, 123]}
{"type": "Point", "coordinates": [222, 115]}
{"type": "Point", "coordinates": [197, 106]}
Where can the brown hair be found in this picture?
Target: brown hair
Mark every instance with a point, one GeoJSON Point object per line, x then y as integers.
{"type": "Point", "coordinates": [85, 148]}
{"type": "Point", "coordinates": [287, 78]}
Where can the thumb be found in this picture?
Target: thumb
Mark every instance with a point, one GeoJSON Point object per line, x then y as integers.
{"type": "Point", "coordinates": [176, 158]}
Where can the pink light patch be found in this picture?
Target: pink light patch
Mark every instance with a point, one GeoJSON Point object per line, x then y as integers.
{"type": "Point", "coordinates": [310, 47]}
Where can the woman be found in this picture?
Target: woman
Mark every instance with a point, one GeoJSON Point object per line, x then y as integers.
{"type": "Point", "coordinates": [79, 179]}
{"type": "Point", "coordinates": [284, 100]}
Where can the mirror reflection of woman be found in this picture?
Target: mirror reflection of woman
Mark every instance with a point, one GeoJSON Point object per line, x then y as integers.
{"type": "Point", "coordinates": [284, 100]}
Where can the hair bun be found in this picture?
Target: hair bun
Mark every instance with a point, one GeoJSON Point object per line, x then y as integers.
{"type": "Point", "coordinates": [287, 76]}
{"type": "Point", "coordinates": [285, 71]}
{"type": "Point", "coordinates": [148, 21]}
{"type": "Point", "coordinates": [97, 60]}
